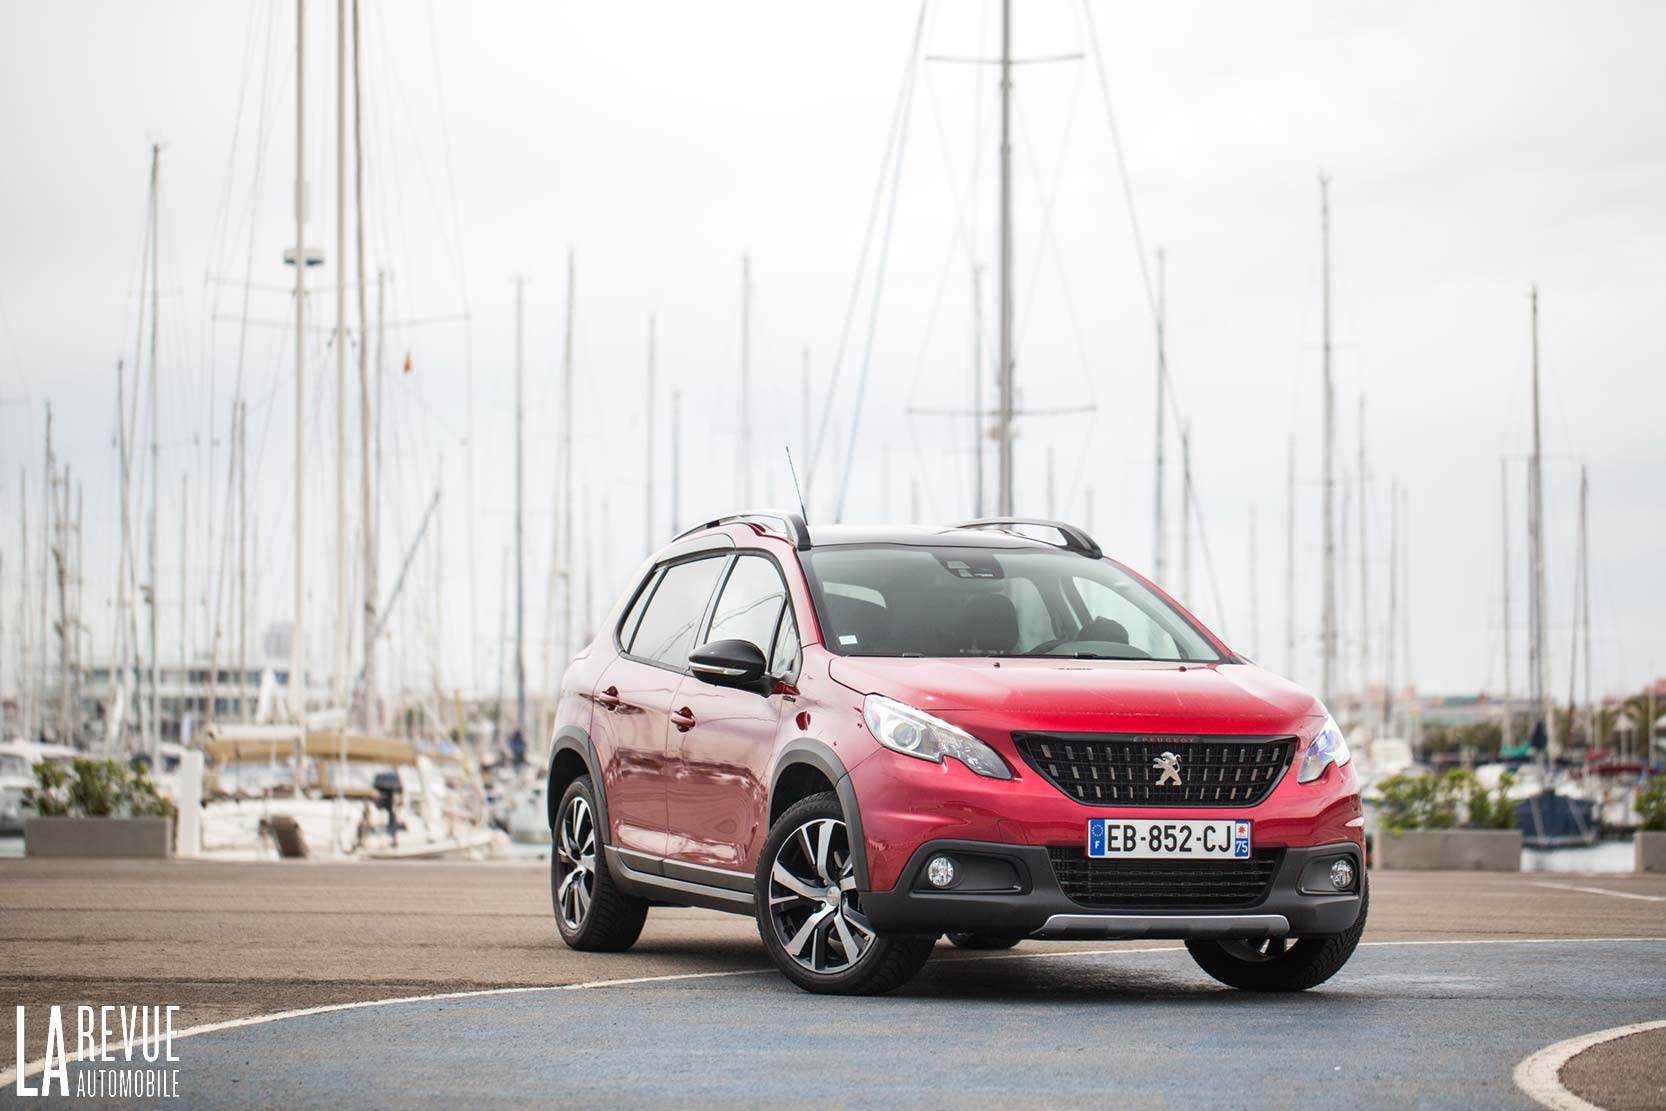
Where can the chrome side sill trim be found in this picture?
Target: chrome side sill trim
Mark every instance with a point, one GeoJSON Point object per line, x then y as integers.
{"type": "Point", "coordinates": [667, 883]}
{"type": "Point", "coordinates": [1164, 926]}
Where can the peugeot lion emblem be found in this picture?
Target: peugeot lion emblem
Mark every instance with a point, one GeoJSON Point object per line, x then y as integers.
{"type": "Point", "coordinates": [1169, 764]}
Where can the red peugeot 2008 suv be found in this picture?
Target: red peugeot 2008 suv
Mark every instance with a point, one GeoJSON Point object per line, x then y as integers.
{"type": "Point", "coordinates": [868, 738]}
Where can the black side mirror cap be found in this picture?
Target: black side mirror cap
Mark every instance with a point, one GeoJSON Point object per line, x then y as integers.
{"type": "Point", "coordinates": [729, 663]}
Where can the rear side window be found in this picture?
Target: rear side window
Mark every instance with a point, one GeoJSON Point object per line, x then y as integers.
{"type": "Point", "coordinates": [666, 634]}
{"type": "Point", "coordinates": [750, 605]}
{"type": "Point", "coordinates": [627, 627]}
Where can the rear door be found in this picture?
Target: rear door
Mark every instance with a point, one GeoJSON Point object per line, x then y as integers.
{"type": "Point", "coordinates": [719, 790]}
{"type": "Point", "coordinates": [635, 697]}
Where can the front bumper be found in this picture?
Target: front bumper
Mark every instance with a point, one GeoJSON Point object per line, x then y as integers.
{"type": "Point", "coordinates": [1020, 896]}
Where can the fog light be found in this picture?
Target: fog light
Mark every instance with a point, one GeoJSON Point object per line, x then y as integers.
{"type": "Point", "coordinates": [1342, 874]}
{"type": "Point", "coordinates": [940, 871]}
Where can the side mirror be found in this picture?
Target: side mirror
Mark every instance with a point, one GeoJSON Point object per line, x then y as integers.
{"type": "Point", "coordinates": [729, 663]}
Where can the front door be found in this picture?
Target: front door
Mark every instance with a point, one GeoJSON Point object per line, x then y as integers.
{"type": "Point", "coordinates": [635, 698]}
{"type": "Point", "coordinates": [718, 804]}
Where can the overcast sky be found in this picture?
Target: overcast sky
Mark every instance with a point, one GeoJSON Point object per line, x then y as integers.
{"type": "Point", "coordinates": [1475, 149]}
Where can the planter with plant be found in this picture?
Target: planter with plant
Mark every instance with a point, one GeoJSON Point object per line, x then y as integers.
{"type": "Point", "coordinates": [1450, 822]}
{"type": "Point", "coordinates": [97, 808]}
{"type": "Point", "coordinates": [1650, 846]}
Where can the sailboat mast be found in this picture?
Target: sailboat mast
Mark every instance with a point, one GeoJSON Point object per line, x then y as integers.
{"type": "Point", "coordinates": [155, 457]}
{"type": "Point", "coordinates": [1364, 573]}
{"type": "Point", "coordinates": [1585, 598]}
{"type": "Point", "coordinates": [1327, 622]}
{"type": "Point", "coordinates": [367, 526]}
{"type": "Point", "coordinates": [1159, 557]}
{"type": "Point", "coordinates": [1290, 561]}
{"type": "Point", "coordinates": [297, 648]}
{"type": "Point", "coordinates": [1574, 658]}
{"type": "Point", "coordinates": [342, 624]}
{"type": "Point", "coordinates": [24, 608]}
{"type": "Point", "coordinates": [1004, 425]}
{"type": "Point", "coordinates": [502, 636]}
{"type": "Point", "coordinates": [977, 389]}
{"type": "Point", "coordinates": [1406, 658]}
{"type": "Point", "coordinates": [746, 380]}
{"type": "Point", "coordinates": [520, 512]}
{"type": "Point", "coordinates": [676, 461]}
{"type": "Point", "coordinates": [1254, 590]}
{"type": "Point", "coordinates": [804, 410]}
{"type": "Point", "coordinates": [184, 546]}
{"type": "Point", "coordinates": [118, 705]}
{"type": "Point", "coordinates": [242, 558]}
{"type": "Point", "coordinates": [60, 553]}
{"type": "Point", "coordinates": [567, 476]}
{"type": "Point", "coordinates": [1185, 515]}
{"type": "Point", "coordinates": [1504, 506]}
{"type": "Point", "coordinates": [648, 447]}
{"type": "Point", "coordinates": [1540, 596]}
{"type": "Point", "coordinates": [1393, 603]}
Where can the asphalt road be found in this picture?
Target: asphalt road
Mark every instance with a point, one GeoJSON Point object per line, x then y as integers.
{"type": "Point", "coordinates": [1429, 1026]}
{"type": "Point", "coordinates": [1432, 1011]}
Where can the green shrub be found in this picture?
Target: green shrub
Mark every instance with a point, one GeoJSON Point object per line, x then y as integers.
{"type": "Point", "coordinates": [1491, 809]}
{"type": "Point", "coordinates": [96, 789]}
{"type": "Point", "coordinates": [1417, 802]}
{"type": "Point", "coordinates": [1651, 804]}
{"type": "Point", "coordinates": [1454, 800]}
{"type": "Point", "coordinates": [51, 797]}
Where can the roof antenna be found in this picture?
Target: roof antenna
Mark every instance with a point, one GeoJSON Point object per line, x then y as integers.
{"type": "Point", "coordinates": [805, 513]}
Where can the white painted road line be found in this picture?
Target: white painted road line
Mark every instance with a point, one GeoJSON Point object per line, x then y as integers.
{"type": "Point", "coordinates": [1602, 891]}
{"type": "Point", "coordinates": [9, 1075]}
{"type": "Point", "coordinates": [1540, 1075]}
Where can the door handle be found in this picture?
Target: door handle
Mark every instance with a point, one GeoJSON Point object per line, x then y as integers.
{"type": "Point", "coordinates": [609, 698]}
{"type": "Point", "coordinates": [683, 719]}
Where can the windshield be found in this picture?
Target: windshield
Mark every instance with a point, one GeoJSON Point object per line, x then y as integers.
{"type": "Point", "coordinates": [897, 600]}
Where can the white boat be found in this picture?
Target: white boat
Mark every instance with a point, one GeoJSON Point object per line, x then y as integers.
{"type": "Point", "coordinates": [17, 775]}
{"type": "Point", "coordinates": [275, 790]}
{"type": "Point", "coordinates": [528, 816]}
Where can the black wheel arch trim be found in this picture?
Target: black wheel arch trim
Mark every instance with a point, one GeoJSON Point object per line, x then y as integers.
{"type": "Point", "coordinates": [572, 739]}
{"type": "Point", "coordinates": [816, 754]}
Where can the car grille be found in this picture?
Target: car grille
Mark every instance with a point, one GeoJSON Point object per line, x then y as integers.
{"type": "Point", "coordinates": [1163, 884]}
{"type": "Point", "coordinates": [1123, 770]}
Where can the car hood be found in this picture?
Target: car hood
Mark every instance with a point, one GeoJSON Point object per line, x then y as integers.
{"type": "Point", "coordinates": [1088, 695]}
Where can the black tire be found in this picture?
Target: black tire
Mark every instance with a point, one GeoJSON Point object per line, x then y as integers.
{"type": "Point", "coordinates": [881, 962]}
{"type": "Point", "coordinates": [982, 941]}
{"type": "Point", "coordinates": [598, 917]}
{"type": "Point", "coordinates": [1275, 965]}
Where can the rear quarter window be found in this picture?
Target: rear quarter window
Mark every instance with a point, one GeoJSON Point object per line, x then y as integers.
{"type": "Point", "coordinates": [633, 616]}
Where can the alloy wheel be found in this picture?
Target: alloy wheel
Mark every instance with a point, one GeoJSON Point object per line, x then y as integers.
{"type": "Point", "coordinates": [575, 855]}
{"type": "Point", "coordinates": [813, 902]}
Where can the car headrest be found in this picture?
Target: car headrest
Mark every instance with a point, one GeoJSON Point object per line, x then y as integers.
{"type": "Point", "coordinates": [868, 626]}
{"type": "Point", "coordinates": [1103, 628]}
{"type": "Point", "coordinates": [991, 623]}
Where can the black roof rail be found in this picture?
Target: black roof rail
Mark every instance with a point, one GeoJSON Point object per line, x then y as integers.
{"type": "Point", "coordinates": [1075, 540]}
{"type": "Point", "coordinates": [791, 525]}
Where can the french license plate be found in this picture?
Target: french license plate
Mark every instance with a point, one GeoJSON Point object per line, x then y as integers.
{"type": "Point", "coordinates": [1148, 839]}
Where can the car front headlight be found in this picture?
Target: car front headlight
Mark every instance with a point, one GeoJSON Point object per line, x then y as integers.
{"type": "Point", "coordinates": [902, 728]}
{"type": "Point", "coordinates": [1328, 748]}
